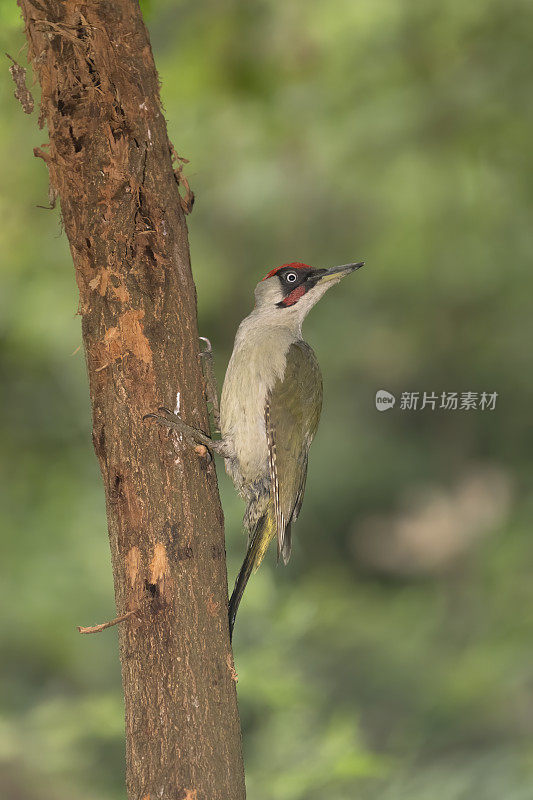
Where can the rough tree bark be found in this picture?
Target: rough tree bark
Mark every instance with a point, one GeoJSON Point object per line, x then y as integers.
{"type": "Point", "coordinates": [111, 164]}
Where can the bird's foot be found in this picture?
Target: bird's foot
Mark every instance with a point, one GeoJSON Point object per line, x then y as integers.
{"type": "Point", "coordinates": [192, 436]}
{"type": "Point", "coordinates": [211, 391]}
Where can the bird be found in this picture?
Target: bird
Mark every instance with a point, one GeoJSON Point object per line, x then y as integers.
{"type": "Point", "coordinates": [269, 410]}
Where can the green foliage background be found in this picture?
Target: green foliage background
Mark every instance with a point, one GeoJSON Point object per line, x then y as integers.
{"type": "Point", "coordinates": [324, 132]}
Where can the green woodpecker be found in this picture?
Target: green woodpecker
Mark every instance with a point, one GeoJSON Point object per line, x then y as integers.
{"type": "Point", "coordinates": [269, 410]}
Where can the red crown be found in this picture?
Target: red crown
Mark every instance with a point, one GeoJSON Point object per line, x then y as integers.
{"type": "Point", "coordinates": [292, 265]}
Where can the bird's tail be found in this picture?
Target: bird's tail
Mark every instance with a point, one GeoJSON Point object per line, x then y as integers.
{"type": "Point", "coordinates": [262, 535]}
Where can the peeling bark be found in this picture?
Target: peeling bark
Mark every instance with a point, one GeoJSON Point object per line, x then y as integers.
{"type": "Point", "coordinates": [111, 164]}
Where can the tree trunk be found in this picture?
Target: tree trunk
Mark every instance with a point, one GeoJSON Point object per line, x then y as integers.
{"type": "Point", "coordinates": [111, 164]}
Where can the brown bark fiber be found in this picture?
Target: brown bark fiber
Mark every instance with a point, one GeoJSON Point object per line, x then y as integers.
{"type": "Point", "coordinates": [110, 162]}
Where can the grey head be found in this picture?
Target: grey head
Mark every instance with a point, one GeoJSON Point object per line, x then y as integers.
{"type": "Point", "coordinates": [287, 293]}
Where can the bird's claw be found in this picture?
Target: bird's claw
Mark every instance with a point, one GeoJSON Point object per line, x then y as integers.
{"type": "Point", "coordinates": [165, 410]}
{"type": "Point", "coordinates": [210, 389]}
{"type": "Point", "coordinates": [167, 417]}
{"type": "Point", "coordinates": [208, 348]}
{"type": "Point", "coordinates": [194, 438]}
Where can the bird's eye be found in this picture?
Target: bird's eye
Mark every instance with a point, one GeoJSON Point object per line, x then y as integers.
{"type": "Point", "coordinates": [291, 277]}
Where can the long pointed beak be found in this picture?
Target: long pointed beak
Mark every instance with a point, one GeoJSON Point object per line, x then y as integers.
{"type": "Point", "coordinates": [336, 273]}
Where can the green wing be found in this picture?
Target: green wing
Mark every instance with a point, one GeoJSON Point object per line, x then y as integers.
{"type": "Point", "coordinates": [291, 415]}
